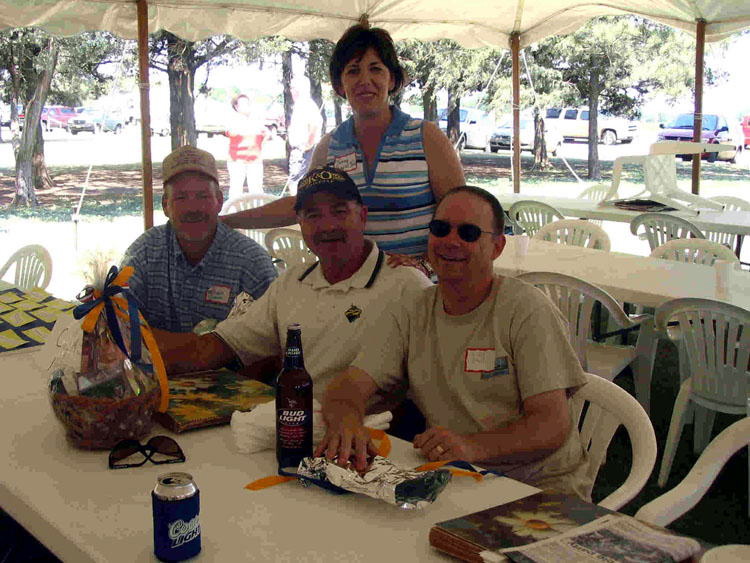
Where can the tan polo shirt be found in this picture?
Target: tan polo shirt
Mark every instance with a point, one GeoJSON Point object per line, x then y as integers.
{"type": "Point", "coordinates": [471, 372]}
{"type": "Point", "coordinates": [334, 318]}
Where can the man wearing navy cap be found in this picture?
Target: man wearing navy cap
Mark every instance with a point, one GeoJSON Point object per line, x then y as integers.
{"type": "Point", "coordinates": [335, 300]}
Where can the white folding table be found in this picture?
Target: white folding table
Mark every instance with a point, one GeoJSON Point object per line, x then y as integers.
{"type": "Point", "coordinates": [634, 279]}
{"type": "Point", "coordinates": [83, 511]}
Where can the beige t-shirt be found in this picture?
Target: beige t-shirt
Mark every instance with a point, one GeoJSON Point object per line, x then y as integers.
{"type": "Point", "coordinates": [334, 318]}
{"type": "Point", "coordinates": [471, 372]}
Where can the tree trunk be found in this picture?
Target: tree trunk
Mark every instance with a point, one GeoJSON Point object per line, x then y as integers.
{"type": "Point", "coordinates": [181, 73]}
{"type": "Point", "coordinates": [41, 175]}
{"type": "Point", "coordinates": [429, 104]}
{"type": "Point", "coordinates": [25, 193]}
{"type": "Point", "coordinates": [316, 91]}
{"type": "Point", "coordinates": [595, 87]}
{"type": "Point", "coordinates": [454, 117]}
{"type": "Point", "coordinates": [337, 110]}
{"type": "Point", "coordinates": [286, 82]}
{"type": "Point", "coordinates": [541, 159]}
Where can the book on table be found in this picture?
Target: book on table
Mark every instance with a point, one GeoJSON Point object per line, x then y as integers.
{"type": "Point", "coordinates": [209, 398]}
{"type": "Point", "coordinates": [553, 526]}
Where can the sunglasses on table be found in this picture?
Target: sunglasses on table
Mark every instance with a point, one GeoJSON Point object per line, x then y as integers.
{"type": "Point", "coordinates": [467, 231]}
{"type": "Point", "coordinates": [158, 450]}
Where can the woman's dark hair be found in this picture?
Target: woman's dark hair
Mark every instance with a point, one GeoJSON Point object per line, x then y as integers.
{"type": "Point", "coordinates": [353, 44]}
{"type": "Point", "coordinates": [498, 214]}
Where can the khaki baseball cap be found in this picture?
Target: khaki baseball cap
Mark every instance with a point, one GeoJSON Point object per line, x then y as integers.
{"type": "Point", "coordinates": [187, 158]}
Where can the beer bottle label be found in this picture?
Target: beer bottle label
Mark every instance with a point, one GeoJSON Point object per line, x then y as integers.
{"type": "Point", "coordinates": [293, 427]}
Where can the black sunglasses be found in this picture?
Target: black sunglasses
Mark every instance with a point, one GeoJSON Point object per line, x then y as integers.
{"type": "Point", "coordinates": [158, 450]}
{"type": "Point", "coordinates": [467, 231]}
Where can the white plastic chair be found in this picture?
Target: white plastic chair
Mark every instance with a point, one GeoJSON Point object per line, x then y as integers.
{"type": "Point", "coordinates": [610, 406]}
{"type": "Point", "coordinates": [249, 201]}
{"type": "Point", "coordinates": [575, 299]}
{"type": "Point", "coordinates": [731, 203]}
{"type": "Point", "coordinates": [530, 215]}
{"type": "Point", "coordinates": [575, 232]}
{"type": "Point", "coordinates": [660, 174]}
{"type": "Point", "coordinates": [597, 192]}
{"type": "Point", "coordinates": [660, 228]}
{"type": "Point", "coordinates": [33, 267]}
{"type": "Point", "coordinates": [716, 338]}
{"type": "Point", "coordinates": [693, 251]}
{"type": "Point", "coordinates": [288, 246]}
{"type": "Point", "coordinates": [666, 508]}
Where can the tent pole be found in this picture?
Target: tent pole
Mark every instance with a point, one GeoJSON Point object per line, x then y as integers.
{"type": "Point", "coordinates": [516, 66]}
{"type": "Point", "coordinates": [143, 86]}
{"type": "Point", "coordinates": [700, 43]}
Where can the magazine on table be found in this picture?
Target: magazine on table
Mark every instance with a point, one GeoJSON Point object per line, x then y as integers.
{"type": "Point", "coordinates": [610, 538]}
{"type": "Point", "coordinates": [539, 527]}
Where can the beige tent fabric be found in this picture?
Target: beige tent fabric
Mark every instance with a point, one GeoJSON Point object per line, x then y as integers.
{"type": "Point", "coordinates": [473, 23]}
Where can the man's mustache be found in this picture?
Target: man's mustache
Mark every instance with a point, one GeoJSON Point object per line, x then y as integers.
{"type": "Point", "coordinates": [330, 236]}
{"type": "Point", "coordinates": [194, 217]}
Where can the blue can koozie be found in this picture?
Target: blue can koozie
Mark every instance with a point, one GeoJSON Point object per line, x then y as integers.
{"type": "Point", "coordinates": [176, 507]}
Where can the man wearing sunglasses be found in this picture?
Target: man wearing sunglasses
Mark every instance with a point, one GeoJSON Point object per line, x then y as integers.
{"type": "Point", "coordinates": [334, 300]}
{"type": "Point", "coordinates": [486, 358]}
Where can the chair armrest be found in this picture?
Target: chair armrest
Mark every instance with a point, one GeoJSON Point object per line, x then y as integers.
{"type": "Point", "coordinates": [668, 507]}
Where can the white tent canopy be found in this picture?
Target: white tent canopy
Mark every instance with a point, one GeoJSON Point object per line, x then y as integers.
{"type": "Point", "coordinates": [473, 24]}
{"type": "Point", "coordinates": [502, 23]}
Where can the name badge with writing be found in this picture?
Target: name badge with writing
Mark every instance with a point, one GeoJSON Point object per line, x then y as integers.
{"type": "Point", "coordinates": [479, 360]}
{"type": "Point", "coordinates": [218, 294]}
{"type": "Point", "coordinates": [347, 162]}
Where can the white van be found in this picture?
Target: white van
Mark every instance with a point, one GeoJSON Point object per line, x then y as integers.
{"type": "Point", "coordinates": [476, 127]}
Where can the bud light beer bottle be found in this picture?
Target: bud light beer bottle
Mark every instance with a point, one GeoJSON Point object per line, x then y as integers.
{"type": "Point", "coordinates": [294, 404]}
{"type": "Point", "coordinates": [176, 504]}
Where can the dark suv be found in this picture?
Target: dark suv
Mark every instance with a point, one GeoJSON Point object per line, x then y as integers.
{"type": "Point", "coordinates": [716, 129]}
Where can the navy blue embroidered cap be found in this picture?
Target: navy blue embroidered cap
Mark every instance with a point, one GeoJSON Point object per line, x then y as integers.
{"type": "Point", "coordinates": [326, 179]}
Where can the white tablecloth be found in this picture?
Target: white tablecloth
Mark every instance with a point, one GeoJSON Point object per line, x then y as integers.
{"type": "Point", "coordinates": [83, 511]}
{"type": "Point", "coordinates": [634, 279]}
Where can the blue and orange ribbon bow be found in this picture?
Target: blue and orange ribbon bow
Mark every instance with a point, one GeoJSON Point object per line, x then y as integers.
{"type": "Point", "coordinates": [116, 300]}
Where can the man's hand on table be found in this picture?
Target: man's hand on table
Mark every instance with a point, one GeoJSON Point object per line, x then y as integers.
{"type": "Point", "coordinates": [440, 444]}
{"type": "Point", "coordinates": [346, 437]}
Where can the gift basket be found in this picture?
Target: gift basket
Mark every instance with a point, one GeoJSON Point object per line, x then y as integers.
{"type": "Point", "coordinates": [108, 377]}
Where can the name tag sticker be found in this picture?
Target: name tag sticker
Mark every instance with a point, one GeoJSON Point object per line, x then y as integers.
{"type": "Point", "coordinates": [347, 162]}
{"type": "Point", "coordinates": [479, 360]}
{"type": "Point", "coordinates": [218, 294]}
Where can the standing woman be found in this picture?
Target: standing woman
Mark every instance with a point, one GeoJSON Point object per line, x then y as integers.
{"type": "Point", "coordinates": [401, 165]}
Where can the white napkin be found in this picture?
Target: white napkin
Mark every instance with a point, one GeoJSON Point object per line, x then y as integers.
{"type": "Point", "coordinates": [255, 431]}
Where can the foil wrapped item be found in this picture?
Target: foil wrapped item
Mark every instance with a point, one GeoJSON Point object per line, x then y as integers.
{"type": "Point", "coordinates": [405, 488]}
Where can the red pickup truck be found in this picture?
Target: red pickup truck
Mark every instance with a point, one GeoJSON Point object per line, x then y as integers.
{"type": "Point", "coordinates": [746, 130]}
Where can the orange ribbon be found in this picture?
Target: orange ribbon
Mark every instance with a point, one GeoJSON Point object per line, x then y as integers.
{"type": "Point", "coordinates": [120, 308]}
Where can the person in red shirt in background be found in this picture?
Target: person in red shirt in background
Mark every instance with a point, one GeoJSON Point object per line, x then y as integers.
{"type": "Point", "coordinates": [246, 134]}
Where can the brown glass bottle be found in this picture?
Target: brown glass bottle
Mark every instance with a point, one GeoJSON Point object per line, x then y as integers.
{"type": "Point", "coordinates": [294, 404]}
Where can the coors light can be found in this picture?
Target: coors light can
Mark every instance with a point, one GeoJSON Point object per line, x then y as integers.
{"type": "Point", "coordinates": [176, 504]}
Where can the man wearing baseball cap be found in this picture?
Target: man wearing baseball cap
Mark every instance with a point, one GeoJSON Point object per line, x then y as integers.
{"type": "Point", "coordinates": [336, 300]}
{"type": "Point", "coordinates": [191, 269]}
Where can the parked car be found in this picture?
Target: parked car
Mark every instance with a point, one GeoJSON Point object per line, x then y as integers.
{"type": "Point", "coordinates": [96, 121]}
{"type": "Point", "coordinates": [57, 117]}
{"type": "Point", "coordinates": [746, 130]}
{"type": "Point", "coordinates": [573, 123]}
{"type": "Point", "coordinates": [716, 129]}
{"type": "Point", "coordinates": [501, 137]}
{"type": "Point", "coordinates": [476, 127]}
